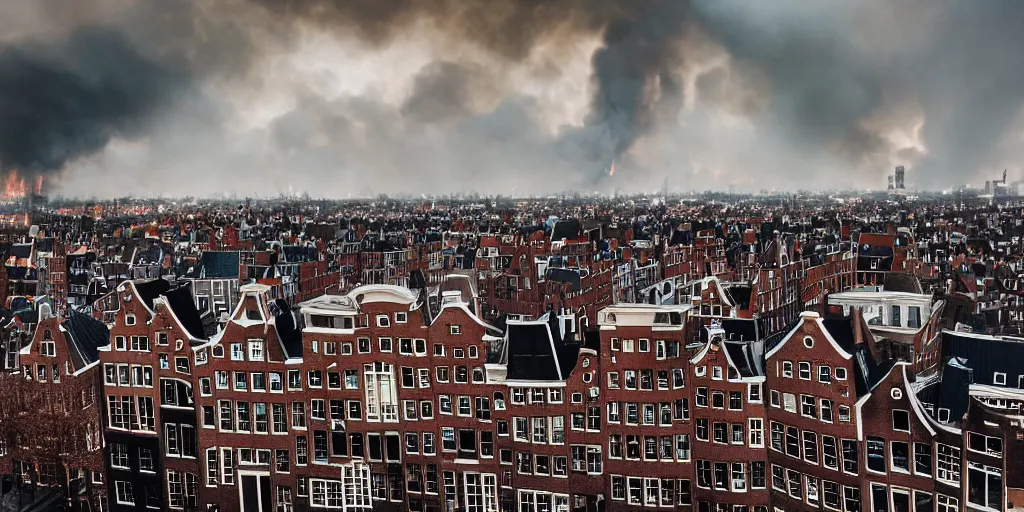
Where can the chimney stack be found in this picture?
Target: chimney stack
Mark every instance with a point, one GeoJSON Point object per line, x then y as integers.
{"type": "Point", "coordinates": [858, 320]}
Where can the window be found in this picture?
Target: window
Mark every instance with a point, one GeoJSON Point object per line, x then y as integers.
{"type": "Point", "coordinates": [849, 456]}
{"type": "Point", "coordinates": [718, 400]}
{"type": "Point", "coordinates": [284, 498]}
{"type": "Point", "coordinates": [255, 350]}
{"type": "Point", "coordinates": [899, 453]}
{"type": "Point", "coordinates": [981, 443]}
{"type": "Point", "coordinates": [119, 456]}
{"type": "Point", "coordinates": [825, 374]}
{"type": "Point", "coordinates": [795, 484]}
{"type": "Point", "coordinates": [829, 452]}
{"type": "Point", "coordinates": [789, 402]}
{"type": "Point", "coordinates": [851, 499]}
{"type": "Point", "coordinates": [947, 463]}
{"type": "Point", "coordinates": [808, 407]}
{"type": "Point", "coordinates": [757, 475]}
{"type": "Point", "coordinates": [826, 411]}
{"type": "Point", "coordinates": [876, 454]}
{"type": "Point", "coordinates": [805, 370]}
{"type": "Point", "coordinates": [923, 459]}
{"type": "Point", "coordinates": [985, 486]}
{"type": "Point", "coordinates": [844, 413]}
{"type": "Point", "coordinates": [739, 480]}
{"type": "Point", "coordinates": [840, 373]}
{"type": "Point", "coordinates": [448, 439]}
{"type": "Point", "coordinates": [123, 492]}
{"type": "Point", "coordinates": [810, 447]}
{"type": "Point", "coordinates": [900, 420]}
{"type": "Point", "coordinates": [735, 400]}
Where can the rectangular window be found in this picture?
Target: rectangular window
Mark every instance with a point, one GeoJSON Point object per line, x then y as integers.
{"type": "Point", "coordinates": [947, 463]}
{"type": "Point", "coordinates": [850, 456]}
{"type": "Point", "coordinates": [900, 456]}
{"type": "Point", "coordinates": [875, 447]}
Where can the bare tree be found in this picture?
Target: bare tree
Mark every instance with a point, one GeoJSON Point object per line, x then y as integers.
{"type": "Point", "coordinates": [50, 427]}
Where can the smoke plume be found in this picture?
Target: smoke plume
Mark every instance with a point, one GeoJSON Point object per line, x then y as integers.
{"type": "Point", "coordinates": [64, 100]}
{"type": "Point", "coordinates": [340, 97]}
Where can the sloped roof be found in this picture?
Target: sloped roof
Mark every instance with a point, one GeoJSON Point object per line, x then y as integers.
{"type": "Point", "coordinates": [288, 329]}
{"type": "Point", "coordinates": [180, 301]}
{"type": "Point", "coordinates": [867, 371]}
{"type": "Point", "coordinates": [220, 265]}
{"type": "Point", "coordinates": [87, 334]}
{"type": "Point", "coordinates": [535, 352]}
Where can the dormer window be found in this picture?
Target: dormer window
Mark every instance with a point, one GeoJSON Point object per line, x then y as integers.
{"type": "Point", "coordinates": [253, 314]}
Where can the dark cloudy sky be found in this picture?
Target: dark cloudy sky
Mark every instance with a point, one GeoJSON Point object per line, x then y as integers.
{"type": "Point", "coordinates": [339, 97]}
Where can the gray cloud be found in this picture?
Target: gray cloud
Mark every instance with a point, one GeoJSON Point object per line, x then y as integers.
{"type": "Point", "coordinates": [782, 94]}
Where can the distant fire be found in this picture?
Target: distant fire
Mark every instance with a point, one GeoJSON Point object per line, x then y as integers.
{"type": "Point", "coordinates": [611, 172]}
{"type": "Point", "coordinates": [15, 186]}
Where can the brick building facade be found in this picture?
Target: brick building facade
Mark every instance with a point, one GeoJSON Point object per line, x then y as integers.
{"type": "Point", "coordinates": [377, 404]}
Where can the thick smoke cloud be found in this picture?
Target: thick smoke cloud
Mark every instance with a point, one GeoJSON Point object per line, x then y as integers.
{"type": "Point", "coordinates": [340, 97]}
{"type": "Point", "coordinates": [846, 75]}
{"type": "Point", "coordinates": [68, 99]}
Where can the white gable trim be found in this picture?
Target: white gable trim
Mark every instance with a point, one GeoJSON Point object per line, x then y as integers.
{"type": "Point", "coordinates": [815, 317]}
{"type": "Point", "coordinates": [915, 404]}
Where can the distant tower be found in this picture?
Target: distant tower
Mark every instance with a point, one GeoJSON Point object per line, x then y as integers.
{"type": "Point", "coordinates": [899, 177]}
{"type": "Point", "coordinates": [664, 188]}
{"type": "Point", "coordinates": [890, 182]}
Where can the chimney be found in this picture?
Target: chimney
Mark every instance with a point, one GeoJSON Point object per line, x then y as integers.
{"type": "Point", "coordinates": [858, 320]}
